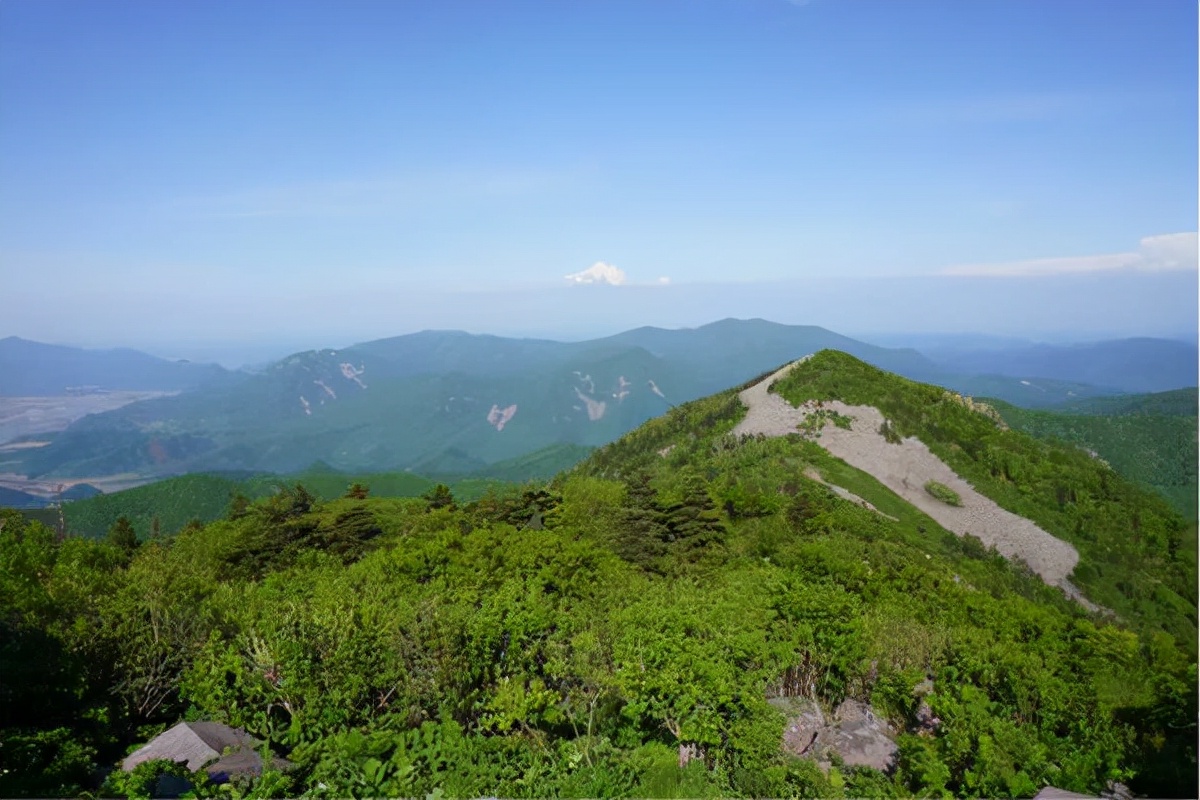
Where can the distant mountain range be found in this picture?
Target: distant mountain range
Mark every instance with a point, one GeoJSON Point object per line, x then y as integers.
{"type": "Point", "coordinates": [30, 369]}
{"type": "Point", "coordinates": [440, 402]}
{"type": "Point", "coordinates": [1127, 365]}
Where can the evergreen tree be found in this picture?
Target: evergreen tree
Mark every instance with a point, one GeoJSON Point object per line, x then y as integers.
{"type": "Point", "coordinates": [440, 497]}
{"type": "Point", "coordinates": [642, 536]}
{"type": "Point", "coordinates": [122, 536]}
{"type": "Point", "coordinates": [694, 523]}
{"type": "Point", "coordinates": [358, 491]}
{"type": "Point", "coordinates": [285, 524]}
{"type": "Point", "coordinates": [534, 508]}
{"type": "Point", "coordinates": [351, 532]}
{"type": "Point", "coordinates": [239, 506]}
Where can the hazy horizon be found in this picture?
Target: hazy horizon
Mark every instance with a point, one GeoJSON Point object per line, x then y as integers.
{"type": "Point", "coordinates": [257, 351]}
{"type": "Point", "coordinates": [191, 178]}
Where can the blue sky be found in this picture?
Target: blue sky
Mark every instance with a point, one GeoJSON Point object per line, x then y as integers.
{"type": "Point", "coordinates": [180, 175]}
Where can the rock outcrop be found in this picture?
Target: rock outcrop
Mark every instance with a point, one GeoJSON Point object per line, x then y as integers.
{"type": "Point", "coordinates": [855, 734]}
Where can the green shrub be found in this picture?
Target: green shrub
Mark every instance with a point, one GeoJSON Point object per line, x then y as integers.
{"type": "Point", "coordinates": [944, 493]}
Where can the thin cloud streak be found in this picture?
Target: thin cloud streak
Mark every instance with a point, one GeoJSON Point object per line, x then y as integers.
{"type": "Point", "coordinates": [1173, 252]}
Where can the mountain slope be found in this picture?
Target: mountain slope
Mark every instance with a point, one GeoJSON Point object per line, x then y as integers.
{"type": "Point", "coordinates": [436, 402]}
{"type": "Point", "coordinates": [1174, 403]}
{"type": "Point", "coordinates": [1130, 543]}
{"type": "Point", "coordinates": [450, 402]}
{"type": "Point", "coordinates": [1136, 554]}
{"type": "Point", "coordinates": [35, 369]}
{"type": "Point", "coordinates": [12, 498]}
{"type": "Point", "coordinates": [722, 345]}
{"type": "Point", "coordinates": [1150, 439]}
{"type": "Point", "coordinates": [352, 410]}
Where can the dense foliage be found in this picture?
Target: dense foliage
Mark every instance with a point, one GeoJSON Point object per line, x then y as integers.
{"type": "Point", "coordinates": [1149, 439]}
{"type": "Point", "coordinates": [166, 506]}
{"type": "Point", "coordinates": [578, 638]}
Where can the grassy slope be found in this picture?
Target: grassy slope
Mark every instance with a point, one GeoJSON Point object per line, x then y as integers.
{"type": "Point", "coordinates": [1137, 556]}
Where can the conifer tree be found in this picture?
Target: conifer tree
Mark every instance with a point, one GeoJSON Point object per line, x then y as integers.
{"type": "Point", "coordinates": [122, 536]}
{"type": "Point", "coordinates": [358, 491]}
{"type": "Point", "coordinates": [694, 523]}
{"type": "Point", "coordinates": [440, 497]}
{"type": "Point", "coordinates": [641, 538]}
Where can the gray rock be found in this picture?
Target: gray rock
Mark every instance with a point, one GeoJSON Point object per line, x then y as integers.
{"type": "Point", "coordinates": [927, 722]}
{"type": "Point", "coordinates": [861, 738]}
{"type": "Point", "coordinates": [855, 734]}
{"type": "Point", "coordinates": [804, 722]}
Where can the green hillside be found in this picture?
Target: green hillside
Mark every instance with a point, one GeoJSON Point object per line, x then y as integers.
{"type": "Point", "coordinates": [1136, 555]}
{"type": "Point", "coordinates": [633, 628]}
{"type": "Point", "coordinates": [1177, 402]}
{"type": "Point", "coordinates": [360, 412]}
{"type": "Point", "coordinates": [206, 497]}
{"type": "Point", "coordinates": [540, 465]}
{"type": "Point", "coordinates": [1149, 439]}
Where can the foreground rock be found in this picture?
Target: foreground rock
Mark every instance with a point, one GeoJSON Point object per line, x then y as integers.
{"type": "Point", "coordinates": [855, 734]}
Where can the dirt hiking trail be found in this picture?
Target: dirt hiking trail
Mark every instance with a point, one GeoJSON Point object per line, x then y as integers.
{"type": "Point", "coordinates": [905, 468]}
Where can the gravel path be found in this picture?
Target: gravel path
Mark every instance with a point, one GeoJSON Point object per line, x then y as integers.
{"type": "Point", "coordinates": [905, 468]}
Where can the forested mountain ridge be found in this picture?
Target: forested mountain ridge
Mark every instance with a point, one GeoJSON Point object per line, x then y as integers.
{"type": "Point", "coordinates": [437, 401]}
{"type": "Point", "coordinates": [359, 411]}
{"type": "Point", "coordinates": [586, 637]}
{"type": "Point", "coordinates": [451, 402]}
{"type": "Point", "coordinates": [1150, 439]}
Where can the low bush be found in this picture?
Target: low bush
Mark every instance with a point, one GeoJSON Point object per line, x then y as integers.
{"type": "Point", "coordinates": [944, 493]}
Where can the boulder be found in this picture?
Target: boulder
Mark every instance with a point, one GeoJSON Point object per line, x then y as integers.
{"type": "Point", "coordinates": [858, 736]}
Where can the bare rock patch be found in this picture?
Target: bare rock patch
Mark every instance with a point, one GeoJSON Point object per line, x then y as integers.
{"type": "Point", "coordinates": [855, 734]}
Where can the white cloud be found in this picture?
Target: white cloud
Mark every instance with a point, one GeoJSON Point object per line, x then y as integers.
{"type": "Point", "coordinates": [1170, 252]}
{"type": "Point", "coordinates": [599, 273]}
{"type": "Point", "coordinates": [663, 281]}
